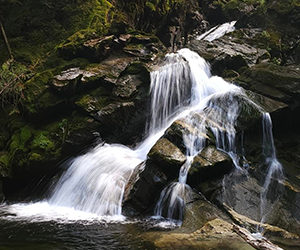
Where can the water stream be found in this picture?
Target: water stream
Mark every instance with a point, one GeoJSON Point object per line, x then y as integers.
{"type": "Point", "coordinates": [183, 88]}
{"type": "Point", "coordinates": [274, 167]}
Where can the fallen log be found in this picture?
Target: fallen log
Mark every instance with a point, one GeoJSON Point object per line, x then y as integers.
{"type": "Point", "coordinates": [260, 244]}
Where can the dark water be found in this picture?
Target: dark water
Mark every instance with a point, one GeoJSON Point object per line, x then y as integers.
{"type": "Point", "coordinates": [54, 235]}
{"type": "Point", "coordinates": [38, 226]}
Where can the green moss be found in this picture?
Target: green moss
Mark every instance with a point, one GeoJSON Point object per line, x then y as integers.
{"type": "Point", "coordinates": [90, 103]}
{"type": "Point", "coordinates": [21, 137]}
{"type": "Point", "coordinates": [151, 6]}
{"type": "Point", "coordinates": [268, 39]}
{"type": "Point", "coordinates": [35, 157]}
{"type": "Point", "coordinates": [4, 160]}
{"type": "Point", "coordinates": [78, 38]}
{"type": "Point", "coordinates": [37, 94]}
{"type": "Point", "coordinates": [135, 68]}
{"type": "Point", "coordinates": [15, 142]}
{"type": "Point", "coordinates": [25, 135]}
{"type": "Point", "coordinates": [42, 141]}
{"type": "Point", "coordinates": [29, 25]}
{"type": "Point", "coordinates": [37, 84]}
{"type": "Point", "coordinates": [284, 7]}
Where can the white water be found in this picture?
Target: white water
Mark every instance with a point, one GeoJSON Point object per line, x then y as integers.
{"type": "Point", "coordinates": [95, 182]}
{"type": "Point", "coordinates": [274, 167]}
{"type": "Point", "coordinates": [182, 88]}
{"type": "Point", "coordinates": [217, 32]}
{"type": "Point", "coordinates": [214, 105]}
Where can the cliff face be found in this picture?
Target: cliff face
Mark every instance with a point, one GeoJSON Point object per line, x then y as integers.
{"type": "Point", "coordinates": [80, 75]}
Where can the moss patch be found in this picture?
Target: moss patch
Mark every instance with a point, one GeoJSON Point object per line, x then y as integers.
{"type": "Point", "coordinates": [29, 24]}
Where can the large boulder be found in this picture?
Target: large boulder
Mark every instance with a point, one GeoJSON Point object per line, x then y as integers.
{"type": "Point", "coordinates": [210, 163]}
{"type": "Point", "coordinates": [227, 53]}
{"type": "Point", "coordinates": [215, 234]}
{"type": "Point", "coordinates": [40, 102]}
{"type": "Point", "coordinates": [277, 82]}
{"type": "Point", "coordinates": [166, 155]}
{"type": "Point", "coordinates": [143, 189]}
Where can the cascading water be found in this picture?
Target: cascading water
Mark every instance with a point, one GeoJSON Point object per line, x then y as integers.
{"type": "Point", "coordinates": [274, 167]}
{"type": "Point", "coordinates": [216, 102]}
{"type": "Point", "coordinates": [95, 182]}
{"type": "Point", "coordinates": [219, 104]}
{"type": "Point", "coordinates": [182, 88]}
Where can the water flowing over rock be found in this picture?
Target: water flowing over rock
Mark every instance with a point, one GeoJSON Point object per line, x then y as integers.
{"type": "Point", "coordinates": [187, 156]}
{"type": "Point", "coordinates": [194, 135]}
{"type": "Point", "coordinates": [88, 183]}
{"type": "Point", "coordinates": [216, 113]}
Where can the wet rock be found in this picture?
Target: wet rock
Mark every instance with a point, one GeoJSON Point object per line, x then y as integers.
{"type": "Point", "coordinates": [67, 82]}
{"type": "Point", "coordinates": [150, 180]}
{"type": "Point", "coordinates": [142, 39]}
{"type": "Point", "coordinates": [215, 234]}
{"type": "Point", "coordinates": [211, 163]}
{"type": "Point", "coordinates": [167, 156]}
{"type": "Point", "coordinates": [111, 114]}
{"type": "Point", "coordinates": [127, 86]}
{"type": "Point", "coordinates": [94, 101]}
{"type": "Point", "coordinates": [102, 47]}
{"type": "Point", "coordinates": [271, 232]}
{"type": "Point", "coordinates": [242, 193]}
{"type": "Point", "coordinates": [227, 53]}
{"type": "Point", "coordinates": [79, 132]}
{"type": "Point", "coordinates": [284, 80]}
{"type": "Point", "coordinates": [75, 80]}
{"type": "Point", "coordinates": [176, 132]}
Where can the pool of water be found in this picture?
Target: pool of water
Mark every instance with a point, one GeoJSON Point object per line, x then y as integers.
{"type": "Point", "coordinates": [26, 227]}
{"type": "Point", "coordinates": [38, 226]}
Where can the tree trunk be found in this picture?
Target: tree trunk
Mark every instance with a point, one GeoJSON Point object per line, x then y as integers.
{"type": "Point", "coordinates": [6, 41]}
{"type": "Point", "coordinates": [260, 244]}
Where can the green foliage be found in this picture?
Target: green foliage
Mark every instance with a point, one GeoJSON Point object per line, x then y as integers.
{"type": "Point", "coordinates": [12, 78]}
{"type": "Point", "coordinates": [25, 135]}
{"type": "Point", "coordinates": [35, 27]}
{"type": "Point", "coordinates": [284, 6]}
{"type": "Point", "coordinates": [42, 141]}
{"type": "Point", "coordinates": [151, 6]}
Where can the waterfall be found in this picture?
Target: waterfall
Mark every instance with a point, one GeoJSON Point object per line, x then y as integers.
{"type": "Point", "coordinates": [95, 182]}
{"type": "Point", "coordinates": [274, 167]}
{"type": "Point", "coordinates": [182, 88]}
{"type": "Point", "coordinates": [215, 105]}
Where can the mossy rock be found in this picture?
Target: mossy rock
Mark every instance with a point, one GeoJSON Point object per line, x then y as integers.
{"type": "Point", "coordinates": [79, 133]}
{"type": "Point", "coordinates": [284, 7]}
{"type": "Point", "coordinates": [93, 102]}
{"type": "Point", "coordinates": [95, 49]}
{"type": "Point", "coordinates": [39, 100]}
{"type": "Point", "coordinates": [29, 147]}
